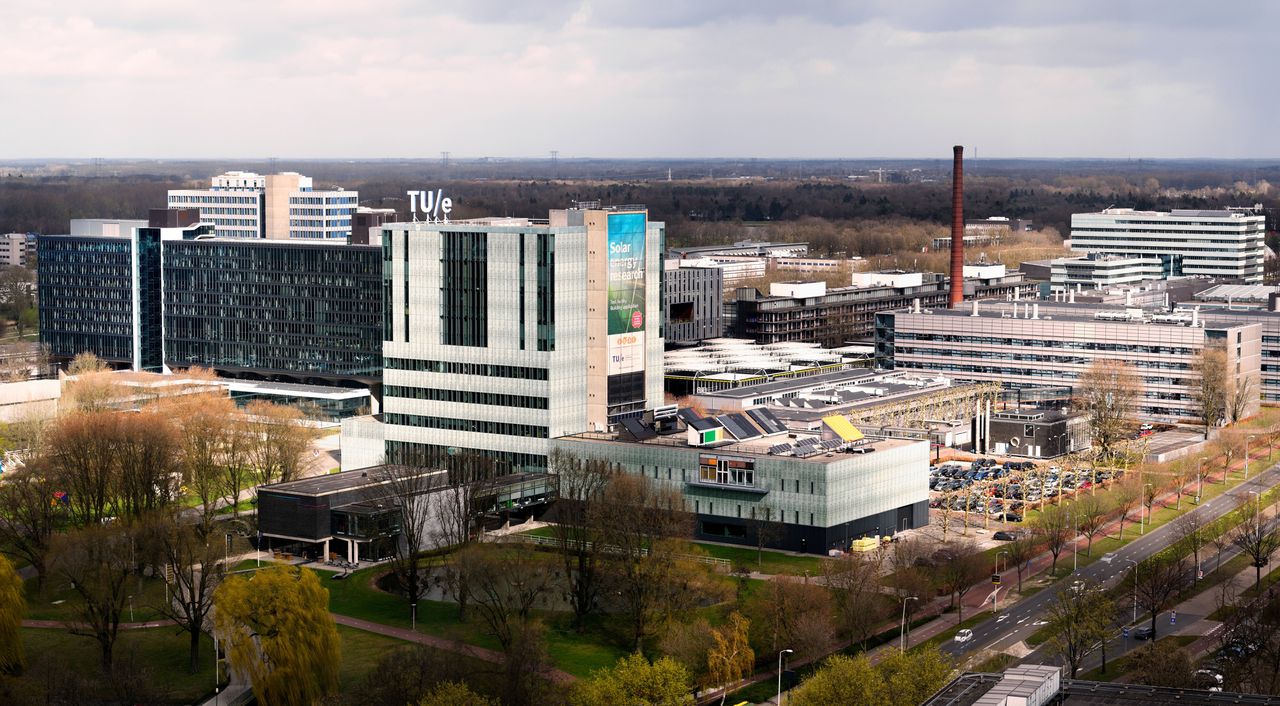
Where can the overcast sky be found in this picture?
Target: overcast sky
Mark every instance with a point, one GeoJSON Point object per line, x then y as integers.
{"type": "Point", "coordinates": [642, 78]}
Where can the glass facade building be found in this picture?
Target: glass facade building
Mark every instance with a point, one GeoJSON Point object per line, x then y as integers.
{"type": "Point", "coordinates": [86, 293]}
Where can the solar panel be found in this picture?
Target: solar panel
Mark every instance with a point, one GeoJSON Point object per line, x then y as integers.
{"type": "Point", "coordinates": [810, 441]}
{"type": "Point", "coordinates": [766, 420]}
{"type": "Point", "coordinates": [688, 415]}
{"type": "Point", "coordinates": [779, 449]}
{"type": "Point", "coordinates": [832, 444]}
{"type": "Point", "coordinates": [739, 426]}
{"type": "Point", "coordinates": [704, 424]}
{"type": "Point", "coordinates": [637, 429]}
{"type": "Point", "coordinates": [807, 451]}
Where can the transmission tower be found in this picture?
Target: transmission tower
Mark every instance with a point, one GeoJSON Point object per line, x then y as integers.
{"type": "Point", "coordinates": [555, 162]}
{"type": "Point", "coordinates": [444, 159]}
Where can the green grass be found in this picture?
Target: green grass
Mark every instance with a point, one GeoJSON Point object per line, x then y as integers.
{"type": "Point", "coordinates": [160, 651]}
{"type": "Point", "coordinates": [60, 602]}
{"type": "Point", "coordinates": [360, 654]}
{"type": "Point", "coordinates": [1120, 666]}
{"type": "Point", "coordinates": [997, 662]}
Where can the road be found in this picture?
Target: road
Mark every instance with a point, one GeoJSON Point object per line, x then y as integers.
{"type": "Point", "coordinates": [1003, 631]}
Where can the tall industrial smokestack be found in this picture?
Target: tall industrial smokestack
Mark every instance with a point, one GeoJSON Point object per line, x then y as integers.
{"type": "Point", "coordinates": [957, 229]}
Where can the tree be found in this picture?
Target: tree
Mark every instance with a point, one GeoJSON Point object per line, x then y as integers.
{"type": "Point", "coordinates": [1125, 496]}
{"type": "Point", "coordinates": [1255, 538]}
{"type": "Point", "coordinates": [853, 580]}
{"type": "Point", "coordinates": [641, 524]}
{"type": "Point", "coordinates": [1219, 533]}
{"type": "Point", "coordinates": [204, 425]}
{"type": "Point", "coordinates": [407, 674]}
{"type": "Point", "coordinates": [410, 489]}
{"type": "Point", "coordinates": [29, 515]}
{"type": "Point", "coordinates": [731, 657]}
{"type": "Point", "coordinates": [765, 527]}
{"type": "Point", "coordinates": [634, 680]}
{"type": "Point", "coordinates": [1214, 385]}
{"type": "Point", "coordinates": [1091, 513]}
{"type": "Point", "coordinates": [912, 677]}
{"type": "Point", "coordinates": [690, 644]}
{"type": "Point", "coordinates": [504, 583]}
{"type": "Point", "coordinates": [97, 560]}
{"type": "Point", "coordinates": [791, 614]}
{"type": "Point", "coordinates": [1021, 551]}
{"type": "Point", "coordinates": [910, 577]}
{"type": "Point", "coordinates": [92, 386]}
{"type": "Point", "coordinates": [458, 510]}
{"type": "Point", "coordinates": [1160, 581]}
{"type": "Point", "coordinates": [1162, 663]}
{"type": "Point", "coordinates": [1079, 618]}
{"type": "Point", "coordinates": [277, 441]}
{"type": "Point", "coordinates": [1054, 528]}
{"type": "Point", "coordinates": [17, 290]}
{"type": "Point", "coordinates": [28, 319]}
{"type": "Point", "coordinates": [12, 608]}
{"type": "Point", "coordinates": [582, 482]}
{"type": "Point", "coordinates": [1241, 396]}
{"type": "Point", "coordinates": [1231, 442]}
{"type": "Point", "coordinates": [946, 507]}
{"type": "Point", "coordinates": [1191, 532]}
{"type": "Point", "coordinates": [962, 565]}
{"type": "Point", "coordinates": [1108, 390]}
{"type": "Point", "coordinates": [278, 631]}
{"type": "Point", "coordinates": [452, 693]}
{"type": "Point", "coordinates": [842, 680]}
{"type": "Point", "coordinates": [191, 563]}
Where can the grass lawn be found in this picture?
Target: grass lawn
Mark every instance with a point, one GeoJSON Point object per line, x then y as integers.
{"type": "Point", "coordinates": [1117, 668]}
{"type": "Point", "coordinates": [60, 602]}
{"type": "Point", "coordinates": [242, 506]}
{"type": "Point", "coordinates": [360, 653]}
{"type": "Point", "coordinates": [160, 651]}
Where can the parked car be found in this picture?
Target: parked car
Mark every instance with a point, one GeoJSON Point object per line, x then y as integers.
{"type": "Point", "coordinates": [1012, 517]}
{"type": "Point", "coordinates": [1144, 633]}
{"type": "Point", "coordinates": [1108, 557]}
{"type": "Point", "coordinates": [1005, 536]}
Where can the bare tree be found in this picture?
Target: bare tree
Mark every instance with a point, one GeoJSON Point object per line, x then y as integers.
{"type": "Point", "coordinates": [1191, 532]}
{"type": "Point", "coordinates": [1212, 392]}
{"type": "Point", "coordinates": [459, 511]}
{"type": "Point", "coordinates": [1054, 528]}
{"type": "Point", "coordinates": [409, 491]}
{"type": "Point", "coordinates": [1125, 496]}
{"type": "Point", "coordinates": [202, 426]}
{"type": "Point", "coordinates": [1079, 618]}
{"type": "Point", "coordinates": [764, 526]}
{"type": "Point", "coordinates": [582, 483]}
{"type": "Point", "coordinates": [853, 580]}
{"type": "Point", "coordinates": [191, 563]}
{"type": "Point", "coordinates": [1021, 551]}
{"type": "Point", "coordinates": [1241, 396]}
{"type": "Point", "coordinates": [1108, 390]}
{"type": "Point", "coordinates": [504, 583]}
{"type": "Point", "coordinates": [277, 441]}
{"type": "Point", "coordinates": [1258, 539]}
{"type": "Point", "coordinates": [1161, 580]}
{"type": "Point", "coordinates": [946, 501]}
{"type": "Point", "coordinates": [30, 514]}
{"type": "Point", "coordinates": [1091, 513]}
{"type": "Point", "coordinates": [98, 561]}
{"type": "Point", "coordinates": [788, 613]}
{"type": "Point", "coordinates": [961, 565]}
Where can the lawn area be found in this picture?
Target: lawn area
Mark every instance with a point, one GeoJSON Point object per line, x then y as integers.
{"type": "Point", "coordinates": [160, 651]}
{"type": "Point", "coordinates": [60, 602]}
{"type": "Point", "coordinates": [360, 653]}
{"type": "Point", "coordinates": [1117, 668]}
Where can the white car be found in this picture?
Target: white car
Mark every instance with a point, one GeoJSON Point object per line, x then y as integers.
{"type": "Point", "coordinates": [964, 635]}
{"type": "Point", "coordinates": [1108, 557]}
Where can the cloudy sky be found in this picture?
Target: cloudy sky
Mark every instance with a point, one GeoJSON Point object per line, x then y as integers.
{"type": "Point", "coordinates": [639, 78]}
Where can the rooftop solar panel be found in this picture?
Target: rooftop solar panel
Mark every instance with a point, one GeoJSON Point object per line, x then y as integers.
{"type": "Point", "coordinates": [704, 424]}
{"type": "Point", "coordinates": [688, 415]}
{"type": "Point", "coordinates": [810, 441]}
{"type": "Point", "coordinates": [807, 451]}
{"type": "Point", "coordinates": [766, 420]}
{"type": "Point", "coordinates": [779, 448]}
{"type": "Point", "coordinates": [739, 426]}
{"type": "Point", "coordinates": [638, 430]}
{"type": "Point", "coordinates": [832, 444]}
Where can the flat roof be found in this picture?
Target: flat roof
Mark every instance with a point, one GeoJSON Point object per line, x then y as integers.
{"type": "Point", "coordinates": [758, 446]}
{"type": "Point", "coordinates": [336, 482]}
{"type": "Point", "coordinates": [1077, 312]}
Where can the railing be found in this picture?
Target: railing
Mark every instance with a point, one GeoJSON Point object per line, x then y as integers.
{"type": "Point", "coordinates": [718, 563]}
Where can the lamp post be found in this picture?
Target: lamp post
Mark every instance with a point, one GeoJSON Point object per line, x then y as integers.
{"type": "Point", "coordinates": [1146, 510]}
{"type": "Point", "coordinates": [995, 595]}
{"type": "Point", "coordinates": [784, 652]}
{"type": "Point", "coordinates": [1200, 478]}
{"type": "Point", "coordinates": [1135, 589]}
{"type": "Point", "coordinates": [1246, 454]}
{"type": "Point", "coordinates": [902, 630]}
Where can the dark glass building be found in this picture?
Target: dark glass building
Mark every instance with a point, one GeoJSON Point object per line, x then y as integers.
{"type": "Point", "coordinates": [257, 309]}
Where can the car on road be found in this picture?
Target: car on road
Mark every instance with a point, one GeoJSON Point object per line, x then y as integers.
{"type": "Point", "coordinates": [1144, 633]}
{"type": "Point", "coordinates": [1108, 557]}
{"type": "Point", "coordinates": [963, 635]}
{"type": "Point", "coordinates": [1006, 536]}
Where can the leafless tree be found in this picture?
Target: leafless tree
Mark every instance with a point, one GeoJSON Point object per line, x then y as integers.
{"type": "Point", "coordinates": [1079, 618]}
{"type": "Point", "coordinates": [192, 564]}
{"type": "Point", "coordinates": [961, 565]}
{"type": "Point", "coordinates": [1125, 496]}
{"type": "Point", "coordinates": [1021, 551]}
{"type": "Point", "coordinates": [1256, 538]}
{"type": "Point", "coordinates": [1107, 393]}
{"type": "Point", "coordinates": [582, 483]}
{"type": "Point", "coordinates": [1091, 513]}
{"type": "Point", "coordinates": [853, 580]}
{"type": "Point", "coordinates": [277, 441]}
{"type": "Point", "coordinates": [504, 584]}
{"type": "Point", "coordinates": [411, 492]}
{"type": "Point", "coordinates": [30, 514]}
{"type": "Point", "coordinates": [788, 613]}
{"type": "Point", "coordinates": [1160, 581]}
{"type": "Point", "coordinates": [1212, 392]}
{"type": "Point", "coordinates": [765, 527]}
{"type": "Point", "coordinates": [1192, 532]}
{"type": "Point", "coordinates": [1054, 528]}
{"type": "Point", "coordinates": [459, 509]}
{"type": "Point", "coordinates": [98, 561]}
{"type": "Point", "coordinates": [1241, 396]}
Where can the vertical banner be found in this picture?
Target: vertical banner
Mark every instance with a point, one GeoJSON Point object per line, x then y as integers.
{"type": "Point", "coordinates": [627, 232]}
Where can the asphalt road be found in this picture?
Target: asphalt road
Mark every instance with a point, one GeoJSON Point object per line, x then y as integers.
{"type": "Point", "coordinates": [1002, 631]}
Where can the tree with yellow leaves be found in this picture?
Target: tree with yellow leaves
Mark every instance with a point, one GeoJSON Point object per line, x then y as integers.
{"type": "Point", "coordinates": [278, 631]}
{"type": "Point", "coordinates": [634, 680]}
{"type": "Point", "coordinates": [731, 657]}
{"type": "Point", "coordinates": [12, 608]}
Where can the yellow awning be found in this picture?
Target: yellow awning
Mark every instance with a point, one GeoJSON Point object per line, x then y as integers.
{"type": "Point", "coordinates": [841, 425]}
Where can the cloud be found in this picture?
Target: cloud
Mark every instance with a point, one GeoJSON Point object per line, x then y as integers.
{"type": "Point", "coordinates": [618, 78]}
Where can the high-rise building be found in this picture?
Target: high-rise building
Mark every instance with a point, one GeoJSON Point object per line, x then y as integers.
{"type": "Point", "coordinates": [171, 295]}
{"type": "Point", "coordinates": [502, 334]}
{"type": "Point", "coordinates": [1225, 243]}
{"type": "Point", "coordinates": [693, 300]}
{"type": "Point", "coordinates": [276, 206]}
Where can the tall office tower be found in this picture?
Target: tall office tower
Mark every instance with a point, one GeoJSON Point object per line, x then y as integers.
{"type": "Point", "coordinates": [501, 334]}
{"type": "Point", "coordinates": [1188, 242]}
{"type": "Point", "coordinates": [276, 206]}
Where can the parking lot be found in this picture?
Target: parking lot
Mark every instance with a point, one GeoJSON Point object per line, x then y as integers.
{"type": "Point", "coordinates": [988, 490]}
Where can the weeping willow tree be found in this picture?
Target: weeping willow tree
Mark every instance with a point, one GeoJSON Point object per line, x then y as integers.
{"type": "Point", "coordinates": [278, 631]}
{"type": "Point", "coordinates": [12, 608]}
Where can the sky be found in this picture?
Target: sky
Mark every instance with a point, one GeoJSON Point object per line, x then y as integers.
{"type": "Point", "coordinates": [638, 79]}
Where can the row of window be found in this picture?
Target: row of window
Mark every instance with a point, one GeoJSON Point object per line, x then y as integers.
{"type": "Point", "coordinates": [472, 425]}
{"type": "Point", "coordinates": [466, 397]}
{"type": "Point", "coordinates": [515, 372]}
{"type": "Point", "coordinates": [1042, 343]}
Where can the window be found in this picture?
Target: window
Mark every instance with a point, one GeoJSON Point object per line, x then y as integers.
{"type": "Point", "coordinates": [464, 289]}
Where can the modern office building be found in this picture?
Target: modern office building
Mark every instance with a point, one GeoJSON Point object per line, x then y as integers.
{"type": "Point", "coordinates": [693, 298]}
{"type": "Point", "coordinates": [367, 221]}
{"type": "Point", "coordinates": [275, 206]}
{"type": "Point", "coordinates": [744, 248]}
{"type": "Point", "coordinates": [174, 297]}
{"type": "Point", "coordinates": [737, 472]}
{"type": "Point", "coordinates": [17, 249]}
{"type": "Point", "coordinates": [107, 226]}
{"type": "Point", "coordinates": [1099, 270]}
{"type": "Point", "coordinates": [1037, 433]}
{"type": "Point", "coordinates": [1226, 244]}
{"type": "Point", "coordinates": [810, 311]}
{"type": "Point", "coordinates": [986, 231]}
{"type": "Point", "coordinates": [1027, 346]}
{"type": "Point", "coordinates": [502, 334]}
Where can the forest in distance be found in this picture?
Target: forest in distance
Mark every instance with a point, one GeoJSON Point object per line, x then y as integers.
{"type": "Point", "coordinates": [839, 206]}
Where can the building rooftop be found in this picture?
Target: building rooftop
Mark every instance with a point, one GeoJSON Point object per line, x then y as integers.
{"type": "Point", "coordinates": [1175, 213]}
{"type": "Point", "coordinates": [796, 443]}
{"type": "Point", "coordinates": [969, 690]}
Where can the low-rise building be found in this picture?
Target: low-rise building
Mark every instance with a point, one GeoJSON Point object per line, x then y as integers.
{"type": "Point", "coordinates": [1097, 270]}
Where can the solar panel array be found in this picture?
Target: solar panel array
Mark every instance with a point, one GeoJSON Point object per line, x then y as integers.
{"type": "Point", "coordinates": [766, 420]}
{"type": "Point", "coordinates": [807, 451]}
{"type": "Point", "coordinates": [637, 429]}
{"type": "Point", "coordinates": [688, 415]}
{"type": "Point", "coordinates": [832, 444]}
{"type": "Point", "coordinates": [739, 426]}
{"type": "Point", "coordinates": [810, 441]}
{"type": "Point", "coordinates": [779, 449]}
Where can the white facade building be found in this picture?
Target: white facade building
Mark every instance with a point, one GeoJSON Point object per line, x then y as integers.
{"type": "Point", "coordinates": [1186, 242]}
{"type": "Point", "coordinates": [502, 334]}
{"type": "Point", "coordinates": [1099, 271]}
{"type": "Point", "coordinates": [286, 205]}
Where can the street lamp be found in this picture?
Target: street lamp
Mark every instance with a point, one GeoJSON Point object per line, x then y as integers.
{"type": "Point", "coordinates": [902, 630]}
{"type": "Point", "coordinates": [784, 652]}
{"type": "Point", "coordinates": [1200, 478]}
{"type": "Point", "coordinates": [1135, 589]}
{"type": "Point", "coordinates": [995, 595]}
{"type": "Point", "coordinates": [1246, 454]}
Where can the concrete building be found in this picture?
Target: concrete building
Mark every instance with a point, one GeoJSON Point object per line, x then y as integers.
{"type": "Point", "coordinates": [502, 334]}
{"type": "Point", "coordinates": [174, 296]}
{"type": "Point", "coordinates": [18, 249]}
{"type": "Point", "coordinates": [737, 471]}
{"type": "Point", "coordinates": [810, 311]}
{"type": "Point", "coordinates": [107, 226]}
{"type": "Point", "coordinates": [1037, 433]}
{"type": "Point", "coordinates": [275, 206]}
{"type": "Point", "coordinates": [1097, 270]}
{"type": "Point", "coordinates": [986, 231]}
{"type": "Point", "coordinates": [1027, 346]}
{"type": "Point", "coordinates": [366, 223]}
{"type": "Point", "coordinates": [744, 248]}
{"type": "Point", "coordinates": [693, 298]}
{"type": "Point", "coordinates": [1225, 244]}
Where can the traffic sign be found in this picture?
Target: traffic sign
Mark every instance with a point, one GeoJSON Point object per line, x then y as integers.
{"type": "Point", "coordinates": [1173, 617]}
{"type": "Point", "coordinates": [995, 579]}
